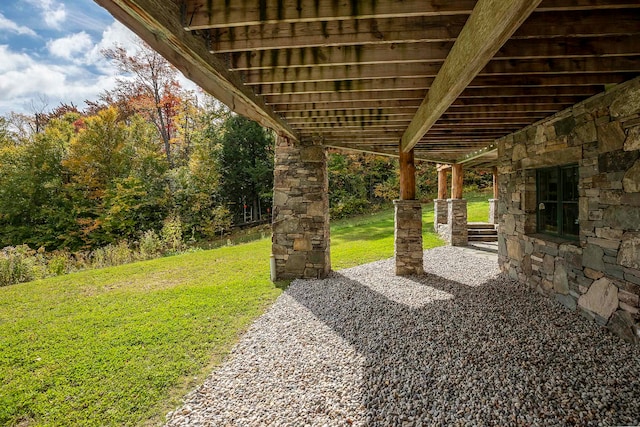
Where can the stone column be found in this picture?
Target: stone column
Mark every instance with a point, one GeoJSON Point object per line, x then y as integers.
{"type": "Point", "coordinates": [493, 203]}
{"type": "Point", "coordinates": [440, 206]}
{"type": "Point", "coordinates": [408, 221]}
{"type": "Point", "coordinates": [457, 224]}
{"type": "Point", "coordinates": [300, 242]}
{"type": "Point", "coordinates": [456, 233]}
{"type": "Point", "coordinates": [408, 237]}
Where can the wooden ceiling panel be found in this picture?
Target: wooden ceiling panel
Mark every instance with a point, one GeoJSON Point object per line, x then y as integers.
{"type": "Point", "coordinates": [356, 74]}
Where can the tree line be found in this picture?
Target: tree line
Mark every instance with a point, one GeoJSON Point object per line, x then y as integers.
{"type": "Point", "coordinates": [146, 153]}
{"type": "Point", "coordinates": [149, 154]}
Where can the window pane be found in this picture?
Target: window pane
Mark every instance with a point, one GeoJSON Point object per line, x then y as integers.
{"type": "Point", "coordinates": [570, 184]}
{"type": "Point", "coordinates": [548, 179]}
{"type": "Point", "coordinates": [570, 225]}
{"type": "Point", "coordinates": [548, 217]}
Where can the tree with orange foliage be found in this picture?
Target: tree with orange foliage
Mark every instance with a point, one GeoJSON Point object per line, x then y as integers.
{"type": "Point", "coordinates": [149, 86]}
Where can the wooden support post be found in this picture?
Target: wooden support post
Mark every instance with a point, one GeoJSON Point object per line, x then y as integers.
{"type": "Point", "coordinates": [407, 175]}
{"type": "Point", "coordinates": [456, 181]}
{"type": "Point", "coordinates": [442, 183]}
{"type": "Point", "coordinates": [495, 182]}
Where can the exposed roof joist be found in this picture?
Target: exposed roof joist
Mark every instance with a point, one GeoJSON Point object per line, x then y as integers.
{"type": "Point", "coordinates": [355, 73]}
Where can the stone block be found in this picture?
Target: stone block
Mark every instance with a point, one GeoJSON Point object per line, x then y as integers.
{"type": "Point", "coordinates": [631, 180]}
{"type": "Point", "coordinates": [616, 161]}
{"type": "Point", "coordinates": [609, 233]}
{"type": "Point", "coordinates": [593, 274]}
{"type": "Point", "coordinates": [632, 143]}
{"type": "Point", "coordinates": [627, 103]}
{"type": "Point", "coordinates": [560, 280]}
{"type": "Point", "coordinates": [296, 264]}
{"type": "Point", "coordinates": [604, 243]}
{"type": "Point", "coordinates": [302, 244]}
{"type": "Point", "coordinates": [623, 325]}
{"type": "Point", "coordinates": [610, 137]}
{"type": "Point", "coordinates": [629, 252]}
{"type": "Point", "coordinates": [514, 249]}
{"type": "Point", "coordinates": [622, 217]}
{"type": "Point", "coordinates": [592, 257]}
{"type": "Point", "coordinates": [601, 298]}
{"type": "Point", "coordinates": [566, 300]}
{"type": "Point", "coordinates": [564, 126]}
{"type": "Point", "coordinates": [519, 152]}
{"type": "Point", "coordinates": [586, 133]}
{"type": "Point", "coordinates": [313, 153]}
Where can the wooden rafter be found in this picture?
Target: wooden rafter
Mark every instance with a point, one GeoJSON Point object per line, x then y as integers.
{"type": "Point", "coordinates": [158, 24]}
{"type": "Point", "coordinates": [490, 25]}
{"type": "Point", "coordinates": [363, 74]}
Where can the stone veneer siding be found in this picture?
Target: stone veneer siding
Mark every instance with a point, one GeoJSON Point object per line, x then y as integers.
{"type": "Point", "coordinates": [440, 209]}
{"type": "Point", "coordinates": [456, 232]}
{"type": "Point", "coordinates": [408, 237]}
{"type": "Point", "coordinates": [493, 211]}
{"type": "Point", "coordinates": [599, 275]}
{"type": "Point", "coordinates": [300, 210]}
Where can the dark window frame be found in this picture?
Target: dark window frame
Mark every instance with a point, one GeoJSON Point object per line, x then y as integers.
{"type": "Point", "coordinates": [544, 175]}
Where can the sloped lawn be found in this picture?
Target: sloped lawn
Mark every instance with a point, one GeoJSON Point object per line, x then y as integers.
{"type": "Point", "coordinates": [122, 345]}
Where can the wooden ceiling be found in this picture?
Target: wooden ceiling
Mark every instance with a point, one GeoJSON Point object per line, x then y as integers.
{"type": "Point", "coordinates": [446, 77]}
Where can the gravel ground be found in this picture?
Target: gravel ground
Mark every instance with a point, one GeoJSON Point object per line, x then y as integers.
{"type": "Point", "coordinates": [459, 346]}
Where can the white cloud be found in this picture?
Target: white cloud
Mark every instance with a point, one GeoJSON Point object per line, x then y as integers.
{"type": "Point", "coordinates": [9, 25]}
{"type": "Point", "coordinates": [71, 46]}
{"type": "Point", "coordinates": [23, 79]}
{"type": "Point", "coordinates": [53, 14]}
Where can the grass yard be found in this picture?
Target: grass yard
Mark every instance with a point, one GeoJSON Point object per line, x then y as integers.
{"type": "Point", "coordinates": [122, 345]}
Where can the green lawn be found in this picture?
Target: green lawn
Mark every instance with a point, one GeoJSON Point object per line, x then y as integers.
{"type": "Point", "coordinates": [122, 345]}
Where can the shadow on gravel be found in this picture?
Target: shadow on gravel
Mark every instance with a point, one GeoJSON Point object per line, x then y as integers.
{"type": "Point", "coordinates": [495, 354]}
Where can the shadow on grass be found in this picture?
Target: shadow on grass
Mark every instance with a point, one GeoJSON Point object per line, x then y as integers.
{"type": "Point", "coordinates": [444, 352]}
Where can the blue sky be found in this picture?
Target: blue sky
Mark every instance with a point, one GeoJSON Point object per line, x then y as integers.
{"type": "Point", "coordinates": [50, 52]}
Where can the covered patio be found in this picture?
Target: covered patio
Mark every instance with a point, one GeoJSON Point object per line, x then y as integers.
{"type": "Point", "coordinates": [546, 92]}
{"type": "Point", "coordinates": [460, 345]}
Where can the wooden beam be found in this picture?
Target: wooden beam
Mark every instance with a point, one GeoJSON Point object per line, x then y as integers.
{"type": "Point", "coordinates": [432, 52]}
{"type": "Point", "coordinates": [478, 153]}
{"type": "Point", "coordinates": [205, 14]}
{"type": "Point", "coordinates": [588, 23]}
{"type": "Point", "coordinates": [407, 175]}
{"type": "Point", "coordinates": [158, 24]}
{"type": "Point", "coordinates": [378, 150]}
{"type": "Point", "coordinates": [442, 182]}
{"type": "Point", "coordinates": [202, 14]}
{"type": "Point", "coordinates": [327, 83]}
{"type": "Point", "coordinates": [457, 181]}
{"type": "Point", "coordinates": [388, 95]}
{"type": "Point", "coordinates": [490, 25]}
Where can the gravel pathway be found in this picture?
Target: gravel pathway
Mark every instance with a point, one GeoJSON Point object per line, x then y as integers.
{"type": "Point", "coordinates": [459, 346]}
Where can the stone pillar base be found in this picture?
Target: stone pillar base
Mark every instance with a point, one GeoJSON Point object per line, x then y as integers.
{"type": "Point", "coordinates": [493, 211]}
{"type": "Point", "coordinates": [456, 231]}
{"type": "Point", "coordinates": [300, 242]}
{"type": "Point", "coordinates": [440, 210]}
{"type": "Point", "coordinates": [408, 237]}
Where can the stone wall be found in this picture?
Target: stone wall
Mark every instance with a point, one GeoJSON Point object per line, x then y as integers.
{"type": "Point", "coordinates": [599, 275]}
{"type": "Point", "coordinates": [408, 237]}
{"type": "Point", "coordinates": [300, 210]}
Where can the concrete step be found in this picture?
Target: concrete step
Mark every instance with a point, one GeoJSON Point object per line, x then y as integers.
{"type": "Point", "coordinates": [482, 232]}
{"type": "Point", "coordinates": [480, 225]}
{"type": "Point", "coordinates": [473, 238]}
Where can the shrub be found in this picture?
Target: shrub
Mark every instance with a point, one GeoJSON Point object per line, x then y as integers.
{"type": "Point", "coordinates": [150, 245]}
{"type": "Point", "coordinates": [58, 265]}
{"type": "Point", "coordinates": [349, 206]}
{"type": "Point", "coordinates": [20, 264]}
{"type": "Point", "coordinates": [172, 234]}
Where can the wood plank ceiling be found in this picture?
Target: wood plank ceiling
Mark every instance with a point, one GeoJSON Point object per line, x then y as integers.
{"type": "Point", "coordinates": [353, 73]}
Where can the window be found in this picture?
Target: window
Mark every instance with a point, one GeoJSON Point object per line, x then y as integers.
{"type": "Point", "coordinates": [557, 197]}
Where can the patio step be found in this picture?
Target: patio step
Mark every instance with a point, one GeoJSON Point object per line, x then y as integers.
{"type": "Point", "coordinates": [482, 232]}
